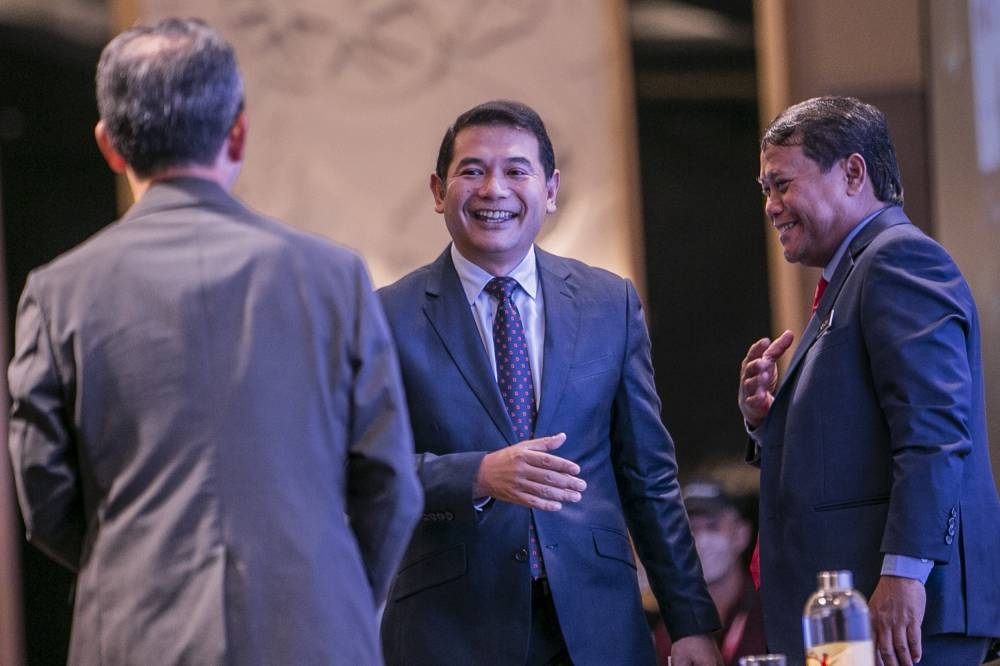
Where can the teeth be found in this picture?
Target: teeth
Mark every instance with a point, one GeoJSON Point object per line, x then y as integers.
{"type": "Point", "coordinates": [494, 215]}
{"type": "Point", "coordinates": [785, 227]}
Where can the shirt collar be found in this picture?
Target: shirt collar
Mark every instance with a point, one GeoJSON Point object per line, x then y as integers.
{"type": "Point", "coordinates": [475, 278]}
{"type": "Point", "coordinates": [842, 248]}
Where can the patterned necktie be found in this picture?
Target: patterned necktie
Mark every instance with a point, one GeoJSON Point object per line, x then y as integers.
{"type": "Point", "coordinates": [514, 379]}
{"type": "Point", "coordinates": [818, 294]}
{"type": "Point", "coordinates": [511, 351]}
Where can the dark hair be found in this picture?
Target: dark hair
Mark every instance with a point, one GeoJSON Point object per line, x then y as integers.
{"type": "Point", "coordinates": [831, 128]}
{"type": "Point", "coordinates": [168, 94]}
{"type": "Point", "coordinates": [499, 112]}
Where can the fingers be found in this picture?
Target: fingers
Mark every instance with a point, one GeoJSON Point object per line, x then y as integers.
{"type": "Point", "coordinates": [914, 641]}
{"type": "Point", "coordinates": [756, 350]}
{"type": "Point", "coordinates": [759, 376]}
{"type": "Point", "coordinates": [526, 473]}
{"type": "Point", "coordinates": [779, 346]}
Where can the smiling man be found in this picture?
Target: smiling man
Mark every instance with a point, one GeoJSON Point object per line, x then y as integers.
{"type": "Point", "coordinates": [872, 449]}
{"type": "Point", "coordinates": [538, 434]}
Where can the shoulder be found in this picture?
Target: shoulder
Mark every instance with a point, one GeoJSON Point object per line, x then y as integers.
{"type": "Point", "coordinates": [906, 251]}
{"type": "Point", "coordinates": [407, 292]}
{"type": "Point", "coordinates": [585, 280]}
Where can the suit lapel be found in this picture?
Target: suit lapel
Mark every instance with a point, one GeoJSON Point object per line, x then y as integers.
{"type": "Point", "coordinates": [819, 322]}
{"type": "Point", "coordinates": [561, 328]}
{"type": "Point", "coordinates": [449, 313]}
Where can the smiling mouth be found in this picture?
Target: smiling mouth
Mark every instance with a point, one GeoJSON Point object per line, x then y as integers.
{"type": "Point", "coordinates": [782, 228]}
{"type": "Point", "coordinates": [494, 215]}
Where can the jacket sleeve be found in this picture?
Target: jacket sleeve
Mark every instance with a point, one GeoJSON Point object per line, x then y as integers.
{"type": "Point", "coordinates": [646, 472]}
{"type": "Point", "coordinates": [42, 443]}
{"type": "Point", "coordinates": [918, 316]}
{"type": "Point", "coordinates": [384, 497]}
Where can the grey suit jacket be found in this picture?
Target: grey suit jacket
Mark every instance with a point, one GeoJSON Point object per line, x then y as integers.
{"type": "Point", "coordinates": [463, 593]}
{"type": "Point", "coordinates": [876, 440]}
{"type": "Point", "coordinates": [208, 427]}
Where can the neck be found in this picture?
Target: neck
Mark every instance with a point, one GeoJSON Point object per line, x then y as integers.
{"type": "Point", "coordinates": [222, 174]}
{"type": "Point", "coordinates": [727, 591]}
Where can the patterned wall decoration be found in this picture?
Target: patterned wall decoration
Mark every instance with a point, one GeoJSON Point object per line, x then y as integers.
{"type": "Point", "coordinates": [348, 100]}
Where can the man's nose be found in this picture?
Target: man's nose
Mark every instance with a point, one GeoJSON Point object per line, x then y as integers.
{"type": "Point", "coordinates": [494, 184]}
{"type": "Point", "coordinates": [772, 204]}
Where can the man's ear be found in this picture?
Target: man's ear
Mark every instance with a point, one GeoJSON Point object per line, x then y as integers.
{"type": "Point", "coordinates": [438, 190]}
{"type": "Point", "coordinates": [856, 171]}
{"type": "Point", "coordinates": [551, 189]}
{"type": "Point", "coordinates": [237, 138]}
{"type": "Point", "coordinates": [111, 155]}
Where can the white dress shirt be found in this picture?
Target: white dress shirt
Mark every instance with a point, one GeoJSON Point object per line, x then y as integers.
{"type": "Point", "coordinates": [528, 300]}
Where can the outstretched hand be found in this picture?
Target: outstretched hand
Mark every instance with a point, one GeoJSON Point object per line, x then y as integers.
{"type": "Point", "coordinates": [526, 473]}
{"type": "Point", "coordinates": [759, 377]}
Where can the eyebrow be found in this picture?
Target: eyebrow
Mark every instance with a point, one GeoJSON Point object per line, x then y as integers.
{"type": "Point", "coordinates": [768, 177]}
{"type": "Point", "coordinates": [522, 161]}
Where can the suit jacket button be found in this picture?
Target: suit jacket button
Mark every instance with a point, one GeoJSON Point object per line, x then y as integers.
{"type": "Point", "coordinates": [521, 555]}
{"type": "Point", "coordinates": [448, 515]}
{"type": "Point", "coordinates": [949, 539]}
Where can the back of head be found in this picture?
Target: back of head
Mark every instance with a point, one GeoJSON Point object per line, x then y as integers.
{"type": "Point", "coordinates": [499, 112]}
{"type": "Point", "coordinates": [168, 94]}
{"type": "Point", "coordinates": [831, 128]}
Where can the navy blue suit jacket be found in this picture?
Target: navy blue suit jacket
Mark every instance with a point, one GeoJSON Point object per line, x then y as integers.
{"type": "Point", "coordinates": [876, 440]}
{"type": "Point", "coordinates": [462, 595]}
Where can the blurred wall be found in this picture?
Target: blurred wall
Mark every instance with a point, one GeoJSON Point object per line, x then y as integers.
{"type": "Point", "coordinates": [964, 99]}
{"type": "Point", "coordinates": [348, 102]}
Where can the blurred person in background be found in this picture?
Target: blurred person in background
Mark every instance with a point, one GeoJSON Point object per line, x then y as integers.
{"type": "Point", "coordinates": [723, 531]}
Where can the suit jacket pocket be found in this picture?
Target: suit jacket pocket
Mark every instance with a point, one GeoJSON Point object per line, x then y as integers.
{"type": "Point", "coordinates": [430, 570]}
{"type": "Point", "coordinates": [851, 503]}
{"type": "Point", "coordinates": [592, 368]}
{"type": "Point", "coordinates": [830, 338]}
{"type": "Point", "coordinates": [613, 544]}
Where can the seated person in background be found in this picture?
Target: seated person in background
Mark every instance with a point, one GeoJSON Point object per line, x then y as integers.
{"type": "Point", "coordinates": [723, 533]}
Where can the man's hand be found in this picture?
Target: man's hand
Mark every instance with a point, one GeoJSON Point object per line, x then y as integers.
{"type": "Point", "coordinates": [525, 473]}
{"type": "Point", "coordinates": [759, 377]}
{"type": "Point", "coordinates": [697, 650]}
{"type": "Point", "coordinates": [897, 610]}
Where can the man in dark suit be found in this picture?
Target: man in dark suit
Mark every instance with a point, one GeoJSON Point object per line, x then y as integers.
{"type": "Point", "coordinates": [532, 484]}
{"type": "Point", "coordinates": [873, 449]}
{"type": "Point", "coordinates": [208, 421]}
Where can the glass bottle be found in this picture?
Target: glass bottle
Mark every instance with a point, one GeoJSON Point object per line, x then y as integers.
{"type": "Point", "coordinates": [835, 623]}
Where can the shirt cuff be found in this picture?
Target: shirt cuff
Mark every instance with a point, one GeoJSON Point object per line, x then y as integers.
{"type": "Point", "coordinates": [917, 568]}
{"type": "Point", "coordinates": [752, 432]}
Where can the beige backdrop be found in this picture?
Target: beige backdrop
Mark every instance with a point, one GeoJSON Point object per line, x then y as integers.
{"type": "Point", "coordinates": [348, 100]}
{"type": "Point", "coordinates": [965, 122]}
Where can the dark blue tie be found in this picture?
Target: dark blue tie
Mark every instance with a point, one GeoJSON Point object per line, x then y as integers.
{"type": "Point", "coordinates": [514, 379]}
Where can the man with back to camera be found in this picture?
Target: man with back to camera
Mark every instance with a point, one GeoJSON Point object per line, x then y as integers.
{"type": "Point", "coordinates": [873, 450]}
{"type": "Point", "coordinates": [208, 423]}
{"type": "Point", "coordinates": [538, 434]}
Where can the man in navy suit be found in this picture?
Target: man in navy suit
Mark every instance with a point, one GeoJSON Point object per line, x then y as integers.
{"type": "Point", "coordinates": [873, 449]}
{"type": "Point", "coordinates": [595, 464]}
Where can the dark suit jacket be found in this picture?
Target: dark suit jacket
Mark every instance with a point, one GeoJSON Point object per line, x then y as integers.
{"type": "Point", "coordinates": [209, 427]}
{"type": "Point", "coordinates": [876, 440]}
{"type": "Point", "coordinates": [463, 592]}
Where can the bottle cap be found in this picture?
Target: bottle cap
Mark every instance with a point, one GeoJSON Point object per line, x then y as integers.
{"type": "Point", "coordinates": [835, 580]}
